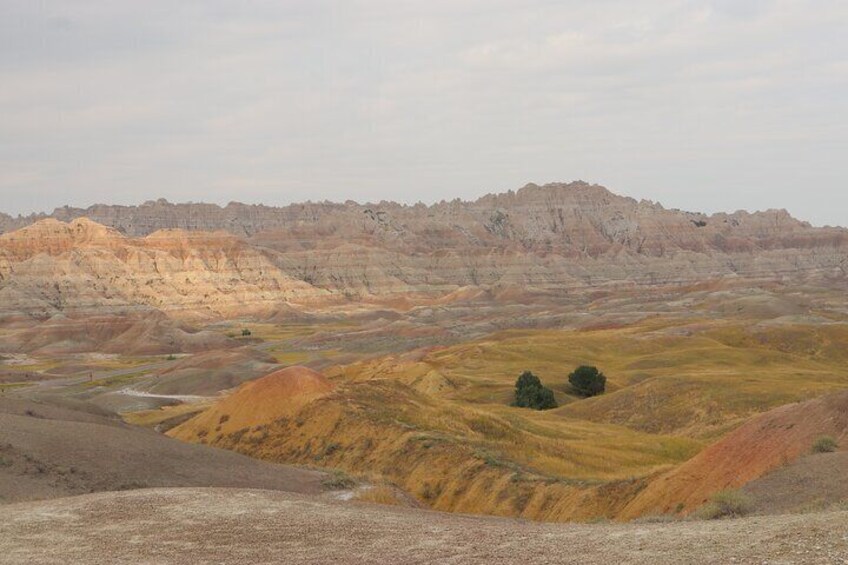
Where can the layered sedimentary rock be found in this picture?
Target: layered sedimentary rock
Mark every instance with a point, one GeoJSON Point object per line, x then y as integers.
{"type": "Point", "coordinates": [552, 239]}
{"type": "Point", "coordinates": [85, 268]}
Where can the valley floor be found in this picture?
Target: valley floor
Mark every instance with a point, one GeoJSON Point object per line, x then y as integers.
{"type": "Point", "coordinates": [193, 525]}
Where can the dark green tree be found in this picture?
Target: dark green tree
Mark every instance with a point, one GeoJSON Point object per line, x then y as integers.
{"type": "Point", "coordinates": [531, 393]}
{"type": "Point", "coordinates": [587, 381]}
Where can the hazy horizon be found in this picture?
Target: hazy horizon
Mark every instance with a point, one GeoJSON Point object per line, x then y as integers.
{"type": "Point", "coordinates": [702, 105]}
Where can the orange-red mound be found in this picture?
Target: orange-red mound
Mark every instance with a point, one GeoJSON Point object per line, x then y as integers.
{"type": "Point", "coordinates": [762, 444]}
{"type": "Point", "coordinates": [277, 395]}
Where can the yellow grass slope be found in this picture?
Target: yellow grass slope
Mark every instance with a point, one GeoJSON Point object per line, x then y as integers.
{"type": "Point", "coordinates": [437, 423]}
{"type": "Point", "coordinates": [282, 393]}
{"type": "Point", "coordinates": [494, 460]}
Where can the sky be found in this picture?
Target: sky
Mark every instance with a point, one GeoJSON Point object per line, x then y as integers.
{"type": "Point", "coordinates": [704, 105]}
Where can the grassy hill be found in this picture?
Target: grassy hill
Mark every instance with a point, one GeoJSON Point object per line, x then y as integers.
{"type": "Point", "coordinates": [437, 422]}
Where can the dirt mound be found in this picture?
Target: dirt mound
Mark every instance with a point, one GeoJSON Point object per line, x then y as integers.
{"type": "Point", "coordinates": [755, 304]}
{"type": "Point", "coordinates": [812, 483]}
{"type": "Point", "coordinates": [150, 333]}
{"type": "Point", "coordinates": [282, 393]}
{"type": "Point", "coordinates": [208, 373]}
{"type": "Point", "coordinates": [764, 443]}
{"type": "Point", "coordinates": [49, 451]}
{"type": "Point", "coordinates": [249, 526]}
{"type": "Point", "coordinates": [286, 314]}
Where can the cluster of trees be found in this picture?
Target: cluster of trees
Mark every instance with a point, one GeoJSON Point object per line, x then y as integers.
{"type": "Point", "coordinates": [585, 381]}
{"type": "Point", "coordinates": [531, 393]}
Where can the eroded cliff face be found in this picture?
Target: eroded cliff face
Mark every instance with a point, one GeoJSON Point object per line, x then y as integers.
{"type": "Point", "coordinates": [83, 267]}
{"type": "Point", "coordinates": [554, 239]}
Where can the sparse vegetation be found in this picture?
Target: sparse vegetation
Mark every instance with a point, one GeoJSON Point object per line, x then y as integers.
{"type": "Point", "coordinates": [726, 504]}
{"type": "Point", "coordinates": [116, 380]}
{"type": "Point", "coordinates": [587, 381]}
{"type": "Point", "coordinates": [171, 357]}
{"type": "Point", "coordinates": [431, 492]}
{"type": "Point", "coordinates": [825, 444]}
{"type": "Point", "coordinates": [245, 332]}
{"type": "Point", "coordinates": [656, 519]}
{"type": "Point", "coordinates": [331, 448]}
{"type": "Point", "coordinates": [380, 494]}
{"type": "Point", "coordinates": [530, 393]}
{"type": "Point", "coordinates": [338, 480]}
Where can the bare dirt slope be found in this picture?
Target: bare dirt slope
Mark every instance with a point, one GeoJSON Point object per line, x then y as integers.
{"type": "Point", "coordinates": [210, 372]}
{"type": "Point", "coordinates": [250, 526]}
{"type": "Point", "coordinates": [48, 451]}
{"type": "Point", "coordinates": [815, 482]}
{"type": "Point", "coordinates": [764, 443]}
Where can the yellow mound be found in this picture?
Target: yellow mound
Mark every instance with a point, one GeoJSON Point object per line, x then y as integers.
{"type": "Point", "coordinates": [278, 395]}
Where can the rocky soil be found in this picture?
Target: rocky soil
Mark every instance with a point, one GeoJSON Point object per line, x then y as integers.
{"type": "Point", "coordinates": [67, 447]}
{"type": "Point", "coordinates": [250, 526]}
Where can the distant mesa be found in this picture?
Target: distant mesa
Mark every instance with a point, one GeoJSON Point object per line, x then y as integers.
{"type": "Point", "coordinates": [202, 260]}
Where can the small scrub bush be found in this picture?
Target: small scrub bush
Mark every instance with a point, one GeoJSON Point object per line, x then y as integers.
{"type": "Point", "coordinates": [726, 504]}
{"type": "Point", "coordinates": [587, 381]}
{"type": "Point", "coordinates": [331, 448]}
{"type": "Point", "coordinates": [245, 332]}
{"type": "Point", "coordinates": [379, 495]}
{"type": "Point", "coordinates": [656, 519]}
{"type": "Point", "coordinates": [530, 393]}
{"type": "Point", "coordinates": [431, 492]}
{"type": "Point", "coordinates": [171, 357]}
{"type": "Point", "coordinates": [825, 444]}
{"type": "Point", "coordinates": [338, 480]}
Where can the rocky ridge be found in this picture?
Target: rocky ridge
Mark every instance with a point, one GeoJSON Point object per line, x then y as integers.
{"type": "Point", "coordinates": [553, 239]}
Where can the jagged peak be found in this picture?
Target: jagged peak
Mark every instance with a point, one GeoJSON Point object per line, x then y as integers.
{"type": "Point", "coordinates": [245, 220]}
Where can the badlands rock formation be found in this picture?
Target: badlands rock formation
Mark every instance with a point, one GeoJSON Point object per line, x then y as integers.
{"type": "Point", "coordinates": [83, 267]}
{"type": "Point", "coordinates": [553, 239]}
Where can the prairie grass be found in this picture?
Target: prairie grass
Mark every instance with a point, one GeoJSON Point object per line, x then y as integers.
{"type": "Point", "coordinates": [380, 494]}
{"type": "Point", "coordinates": [825, 444]}
{"type": "Point", "coordinates": [726, 504]}
{"type": "Point", "coordinates": [439, 424]}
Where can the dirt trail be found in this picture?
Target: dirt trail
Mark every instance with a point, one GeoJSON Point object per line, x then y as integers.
{"type": "Point", "coordinates": [249, 526]}
{"type": "Point", "coordinates": [187, 398]}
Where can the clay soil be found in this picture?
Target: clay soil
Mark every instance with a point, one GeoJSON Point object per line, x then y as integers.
{"type": "Point", "coordinates": [250, 526]}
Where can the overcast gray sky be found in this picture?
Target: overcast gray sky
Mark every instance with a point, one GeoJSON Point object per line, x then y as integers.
{"type": "Point", "coordinates": [700, 104]}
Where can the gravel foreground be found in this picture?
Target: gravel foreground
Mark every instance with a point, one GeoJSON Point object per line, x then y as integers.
{"type": "Point", "coordinates": [215, 525]}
